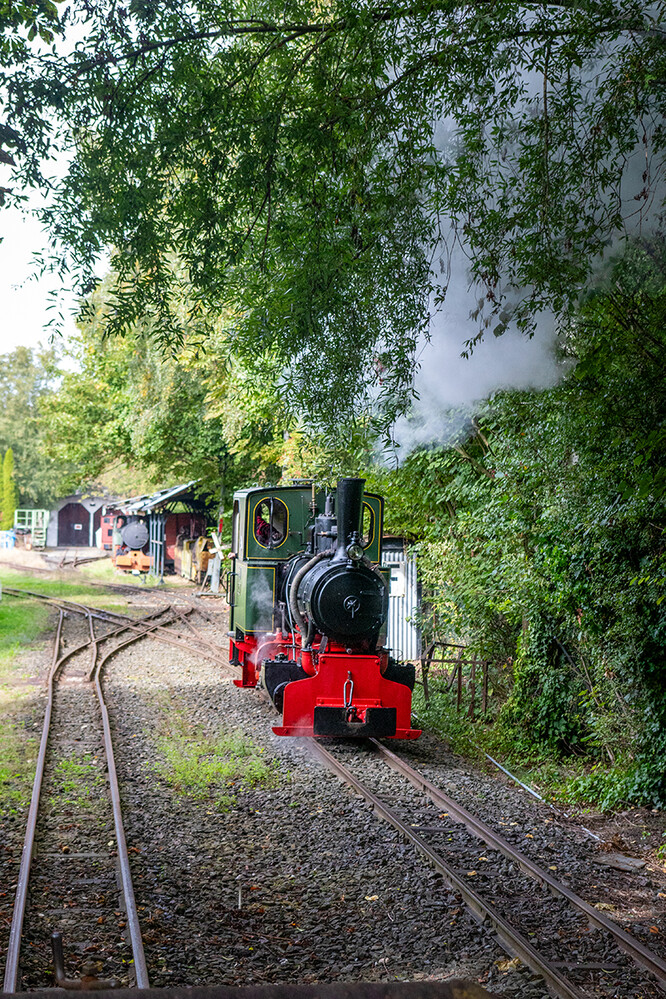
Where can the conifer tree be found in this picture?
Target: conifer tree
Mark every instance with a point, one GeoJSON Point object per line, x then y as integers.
{"type": "Point", "coordinates": [9, 491]}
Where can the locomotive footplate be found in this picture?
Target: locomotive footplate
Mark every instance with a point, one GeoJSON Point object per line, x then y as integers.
{"type": "Point", "coordinates": [378, 723]}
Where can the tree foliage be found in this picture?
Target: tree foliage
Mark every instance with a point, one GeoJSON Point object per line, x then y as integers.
{"type": "Point", "coordinates": [25, 132]}
{"type": "Point", "coordinates": [309, 166]}
{"type": "Point", "coordinates": [9, 491]}
{"type": "Point", "coordinates": [126, 406]}
{"type": "Point", "coordinates": [544, 538]}
{"type": "Point", "coordinates": [27, 378]}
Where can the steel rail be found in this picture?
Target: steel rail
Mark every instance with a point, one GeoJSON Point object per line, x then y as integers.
{"type": "Point", "coordinates": [20, 899]}
{"type": "Point", "coordinates": [16, 929]}
{"type": "Point", "coordinates": [121, 630]}
{"type": "Point", "coordinates": [513, 942]}
{"type": "Point", "coordinates": [161, 634]}
{"type": "Point", "coordinates": [639, 953]}
{"type": "Point", "coordinates": [134, 927]}
{"type": "Point", "coordinates": [218, 655]}
{"type": "Point", "coordinates": [197, 634]}
{"type": "Point", "coordinates": [68, 604]}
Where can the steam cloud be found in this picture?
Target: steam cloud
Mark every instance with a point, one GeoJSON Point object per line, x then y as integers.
{"type": "Point", "coordinates": [450, 386]}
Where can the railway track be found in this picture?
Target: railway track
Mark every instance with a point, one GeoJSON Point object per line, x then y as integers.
{"type": "Point", "coordinates": [193, 640]}
{"type": "Point", "coordinates": [79, 879]}
{"type": "Point", "coordinates": [504, 888]}
{"type": "Point", "coordinates": [512, 897]}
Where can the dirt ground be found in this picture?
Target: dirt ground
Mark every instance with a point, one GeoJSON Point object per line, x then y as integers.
{"type": "Point", "coordinates": [635, 832]}
{"type": "Point", "coordinates": [16, 557]}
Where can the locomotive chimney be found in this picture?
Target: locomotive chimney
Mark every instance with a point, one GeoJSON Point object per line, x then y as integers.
{"type": "Point", "coordinates": [348, 507]}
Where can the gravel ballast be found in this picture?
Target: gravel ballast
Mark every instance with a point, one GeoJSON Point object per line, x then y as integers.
{"type": "Point", "coordinates": [295, 879]}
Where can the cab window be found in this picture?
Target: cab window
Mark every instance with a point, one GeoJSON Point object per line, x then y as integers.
{"type": "Point", "coordinates": [234, 528]}
{"type": "Point", "coordinates": [367, 526]}
{"type": "Point", "coordinates": [270, 522]}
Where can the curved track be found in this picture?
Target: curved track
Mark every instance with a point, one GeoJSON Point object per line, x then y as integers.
{"type": "Point", "coordinates": [124, 631]}
{"type": "Point", "coordinates": [194, 642]}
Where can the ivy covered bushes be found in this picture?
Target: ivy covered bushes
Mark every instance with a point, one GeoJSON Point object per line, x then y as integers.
{"type": "Point", "coordinates": [542, 542]}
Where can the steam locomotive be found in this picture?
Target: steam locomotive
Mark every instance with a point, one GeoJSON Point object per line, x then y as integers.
{"type": "Point", "coordinates": [186, 545]}
{"type": "Point", "coordinates": [309, 604]}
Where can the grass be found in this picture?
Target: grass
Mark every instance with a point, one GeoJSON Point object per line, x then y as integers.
{"type": "Point", "coordinates": [212, 768]}
{"type": "Point", "coordinates": [22, 623]}
{"type": "Point", "coordinates": [103, 571]}
{"type": "Point", "coordinates": [17, 756]}
{"type": "Point", "coordinates": [80, 781]}
{"type": "Point", "coordinates": [75, 590]}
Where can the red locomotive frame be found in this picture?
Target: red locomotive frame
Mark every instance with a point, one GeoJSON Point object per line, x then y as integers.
{"type": "Point", "coordinates": [327, 683]}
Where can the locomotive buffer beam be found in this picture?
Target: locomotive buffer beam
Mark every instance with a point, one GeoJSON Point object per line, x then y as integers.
{"type": "Point", "coordinates": [378, 723]}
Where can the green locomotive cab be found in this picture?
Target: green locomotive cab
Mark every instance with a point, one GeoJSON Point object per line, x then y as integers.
{"type": "Point", "coordinates": [270, 526]}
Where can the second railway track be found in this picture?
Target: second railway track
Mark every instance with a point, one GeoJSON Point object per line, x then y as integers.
{"type": "Point", "coordinates": [74, 883]}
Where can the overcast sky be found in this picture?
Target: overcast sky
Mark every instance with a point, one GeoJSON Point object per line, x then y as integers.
{"type": "Point", "coordinates": [24, 313]}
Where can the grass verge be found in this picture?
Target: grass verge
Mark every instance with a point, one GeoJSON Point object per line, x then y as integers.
{"type": "Point", "coordinates": [22, 623]}
{"type": "Point", "coordinates": [18, 753]}
{"type": "Point", "coordinates": [104, 572]}
{"type": "Point", "coordinates": [211, 768]}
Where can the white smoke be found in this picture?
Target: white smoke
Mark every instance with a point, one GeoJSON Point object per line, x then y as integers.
{"type": "Point", "coordinates": [450, 386]}
{"type": "Point", "coordinates": [261, 599]}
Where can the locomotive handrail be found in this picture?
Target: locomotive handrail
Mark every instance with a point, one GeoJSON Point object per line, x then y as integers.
{"type": "Point", "coordinates": [230, 574]}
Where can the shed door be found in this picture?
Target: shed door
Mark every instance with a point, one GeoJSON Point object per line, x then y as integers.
{"type": "Point", "coordinates": [73, 526]}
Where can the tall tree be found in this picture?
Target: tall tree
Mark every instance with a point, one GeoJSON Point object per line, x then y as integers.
{"type": "Point", "coordinates": [186, 416]}
{"type": "Point", "coordinates": [27, 377]}
{"type": "Point", "coordinates": [308, 165]}
{"type": "Point", "coordinates": [9, 491]}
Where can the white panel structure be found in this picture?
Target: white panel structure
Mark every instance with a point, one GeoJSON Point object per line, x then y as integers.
{"type": "Point", "coordinates": [403, 635]}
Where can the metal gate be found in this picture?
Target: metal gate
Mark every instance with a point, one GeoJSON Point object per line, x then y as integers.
{"type": "Point", "coordinates": [156, 527]}
{"type": "Point", "coordinates": [403, 633]}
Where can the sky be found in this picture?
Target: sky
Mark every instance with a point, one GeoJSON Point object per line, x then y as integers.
{"type": "Point", "coordinates": [24, 310]}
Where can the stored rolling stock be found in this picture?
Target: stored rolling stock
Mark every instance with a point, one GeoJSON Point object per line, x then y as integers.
{"type": "Point", "coordinates": [186, 547]}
